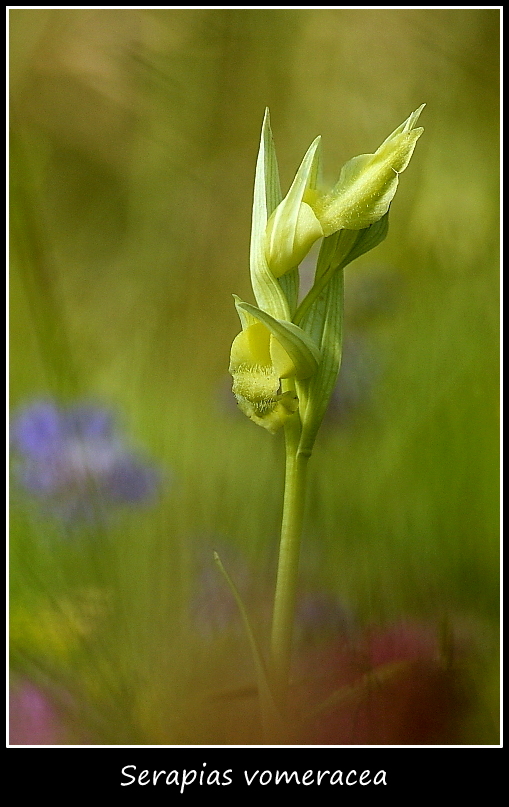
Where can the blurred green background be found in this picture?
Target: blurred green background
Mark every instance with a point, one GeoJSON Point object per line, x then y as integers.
{"type": "Point", "coordinates": [134, 136]}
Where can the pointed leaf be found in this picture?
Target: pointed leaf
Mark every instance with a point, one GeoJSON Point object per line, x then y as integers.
{"type": "Point", "coordinates": [267, 195]}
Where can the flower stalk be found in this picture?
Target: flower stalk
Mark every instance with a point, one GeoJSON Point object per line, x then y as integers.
{"type": "Point", "coordinates": [287, 575]}
{"type": "Point", "coordinates": [286, 359]}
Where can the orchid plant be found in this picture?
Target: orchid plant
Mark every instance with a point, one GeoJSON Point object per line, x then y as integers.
{"type": "Point", "coordinates": [286, 359]}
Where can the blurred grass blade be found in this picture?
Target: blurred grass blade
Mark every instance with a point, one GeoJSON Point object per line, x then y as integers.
{"type": "Point", "coordinates": [271, 718]}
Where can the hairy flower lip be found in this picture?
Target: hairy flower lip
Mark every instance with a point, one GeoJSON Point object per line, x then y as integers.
{"type": "Point", "coordinates": [263, 354]}
{"type": "Point", "coordinates": [258, 363]}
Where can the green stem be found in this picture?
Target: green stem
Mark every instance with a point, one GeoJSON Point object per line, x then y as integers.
{"type": "Point", "coordinates": [313, 295]}
{"type": "Point", "coordinates": [286, 584]}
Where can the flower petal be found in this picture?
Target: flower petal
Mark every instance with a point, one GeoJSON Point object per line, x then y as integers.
{"type": "Point", "coordinates": [38, 431]}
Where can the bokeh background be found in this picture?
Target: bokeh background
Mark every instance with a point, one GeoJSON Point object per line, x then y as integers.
{"type": "Point", "coordinates": [134, 136]}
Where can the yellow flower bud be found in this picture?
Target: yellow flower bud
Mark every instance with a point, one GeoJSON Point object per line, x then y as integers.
{"type": "Point", "coordinates": [288, 243]}
{"type": "Point", "coordinates": [367, 183]}
{"type": "Point", "coordinates": [293, 228]}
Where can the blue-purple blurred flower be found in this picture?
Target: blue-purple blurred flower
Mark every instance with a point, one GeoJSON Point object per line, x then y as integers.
{"type": "Point", "coordinates": [74, 462]}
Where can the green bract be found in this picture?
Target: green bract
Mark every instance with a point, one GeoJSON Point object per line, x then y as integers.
{"type": "Point", "coordinates": [286, 359]}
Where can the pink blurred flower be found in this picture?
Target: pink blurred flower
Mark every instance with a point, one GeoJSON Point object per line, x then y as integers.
{"type": "Point", "coordinates": [33, 718]}
{"type": "Point", "coordinates": [391, 686]}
